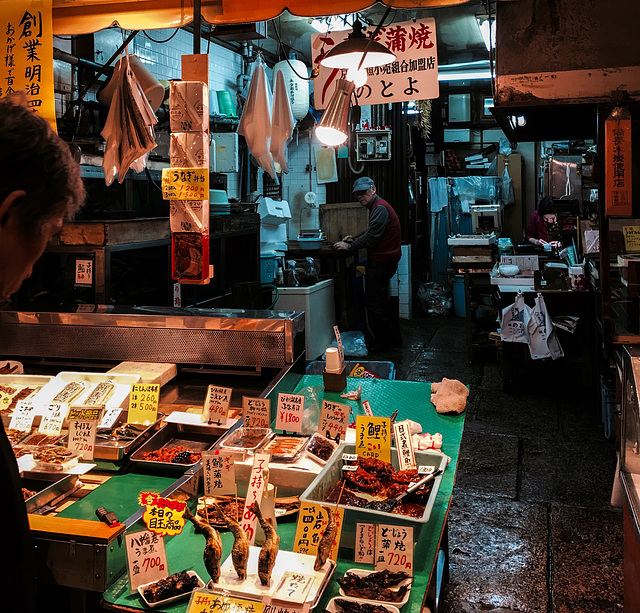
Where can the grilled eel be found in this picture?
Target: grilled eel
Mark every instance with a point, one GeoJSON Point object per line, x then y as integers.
{"type": "Point", "coordinates": [269, 550]}
{"type": "Point", "coordinates": [213, 548]}
{"type": "Point", "coordinates": [328, 536]}
{"type": "Point", "coordinates": [240, 550]}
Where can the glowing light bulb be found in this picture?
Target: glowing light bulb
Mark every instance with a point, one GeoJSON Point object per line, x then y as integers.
{"type": "Point", "coordinates": [359, 77]}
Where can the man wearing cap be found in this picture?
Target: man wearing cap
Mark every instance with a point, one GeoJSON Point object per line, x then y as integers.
{"type": "Point", "coordinates": [382, 240]}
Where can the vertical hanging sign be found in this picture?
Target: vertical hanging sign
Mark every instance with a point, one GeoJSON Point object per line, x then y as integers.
{"type": "Point", "coordinates": [27, 50]}
{"type": "Point", "coordinates": [618, 162]}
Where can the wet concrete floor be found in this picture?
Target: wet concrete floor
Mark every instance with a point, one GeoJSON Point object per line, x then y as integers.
{"type": "Point", "coordinates": [531, 528]}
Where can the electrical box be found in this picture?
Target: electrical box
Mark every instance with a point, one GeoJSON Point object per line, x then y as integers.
{"type": "Point", "coordinates": [223, 152]}
{"type": "Point", "coordinates": [373, 145]}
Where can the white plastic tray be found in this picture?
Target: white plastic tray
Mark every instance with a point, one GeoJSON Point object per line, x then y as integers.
{"type": "Point", "coordinates": [332, 607]}
{"type": "Point", "coordinates": [363, 573]}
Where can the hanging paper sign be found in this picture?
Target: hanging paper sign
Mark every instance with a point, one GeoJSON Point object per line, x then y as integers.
{"type": "Point", "coordinates": [366, 407]}
{"type": "Point", "coordinates": [365, 543]}
{"type": "Point", "coordinates": [146, 558]}
{"type": "Point", "coordinates": [334, 420]}
{"type": "Point", "coordinates": [22, 418]}
{"type": "Point", "coordinates": [293, 587]}
{"type": "Point", "coordinates": [84, 273]}
{"type": "Point", "coordinates": [143, 403]}
{"type": "Point", "coordinates": [394, 548]}
{"type": "Point", "coordinates": [413, 75]}
{"type": "Point", "coordinates": [336, 331]}
{"type": "Point", "coordinates": [162, 515]}
{"type": "Point", "coordinates": [53, 418]}
{"type": "Point", "coordinates": [83, 423]}
{"type": "Point", "coordinates": [289, 413]}
{"type": "Point", "coordinates": [313, 519]}
{"type": "Point", "coordinates": [256, 412]}
{"type": "Point", "coordinates": [618, 163]}
{"type": "Point", "coordinates": [185, 183]}
{"type": "Point", "coordinates": [257, 486]}
{"type": "Point", "coordinates": [203, 601]}
{"type": "Point", "coordinates": [631, 238]}
{"type": "Point", "coordinates": [218, 472]}
{"type": "Point", "coordinates": [373, 437]}
{"type": "Point", "coordinates": [109, 418]}
{"type": "Point", "coordinates": [404, 446]}
{"type": "Point", "coordinates": [216, 405]}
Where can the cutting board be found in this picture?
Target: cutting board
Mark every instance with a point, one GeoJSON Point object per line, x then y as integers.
{"type": "Point", "coordinates": [150, 372]}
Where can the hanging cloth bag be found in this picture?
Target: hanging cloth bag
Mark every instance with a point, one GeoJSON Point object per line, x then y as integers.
{"type": "Point", "coordinates": [544, 341]}
{"type": "Point", "coordinates": [515, 320]}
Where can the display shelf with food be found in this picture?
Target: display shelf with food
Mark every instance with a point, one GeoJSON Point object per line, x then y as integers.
{"type": "Point", "coordinates": [170, 589]}
{"type": "Point", "coordinates": [285, 448]}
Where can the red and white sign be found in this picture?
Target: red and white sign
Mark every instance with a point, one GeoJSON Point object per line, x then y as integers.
{"type": "Point", "coordinates": [257, 486]}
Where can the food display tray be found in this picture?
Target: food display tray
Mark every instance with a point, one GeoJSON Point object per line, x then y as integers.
{"type": "Point", "coordinates": [312, 441]}
{"type": "Point", "coordinates": [232, 441]}
{"type": "Point", "coordinates": [360, 572]}
{"type": "Point", "coordinates": [23, 381]}
{"type": "Point", "coordinates": [332, 473]}
{"type": "Point", "coordinates": [285, 448]}
{"type": "Point", "coordinates": [167, 601]}
{"type": "Point", "coordinates": [334, 607]}
{"type": "Point", "coordinates": [48, 487]}
{"type": "Point", "coordinates": [173, 435]}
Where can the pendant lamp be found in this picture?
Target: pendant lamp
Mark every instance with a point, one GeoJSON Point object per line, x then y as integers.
{"type": "Point", "coordinates": [332, 128]}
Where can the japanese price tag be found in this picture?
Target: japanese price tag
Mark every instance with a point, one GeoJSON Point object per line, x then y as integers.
{"type": "Point", "coordinates": [334, 420]}
{"type": "Point", "coordinates": [53, 418]}
{"type": "Point", "coordinates": [146, 558]}
{"type": "Point", "coordinates": [203, 601]}
{"type": "Point", "coordinates": [84, 272]}
{"type": "Point", "coordinates": [394, 548]}
{"type": "Point", "coordinates": [143, 403]}
{"type": "Point", "coordinates": [185, 183]}
{"type": "Point", "coordinates": [22, 418]}
{"type": "Point", "coordinates": [162, 515]}
{"type": "Point", "coordinates": [339, 341]}
{"type": "Point", "coordinates": [366, 407]}
{"type": "Point", "coordinates": [216, 405]}
{"type": "Point", "coordinates": [281, 607]}
{"type": "Point", "coordinates": [289, 412]}
{"type": "Point", "coordinates": [83, 422]}
{"type": "Point", "coordinates": [365, 543]}
{"type": "Point", "coordinates": [373, 437]}
{"type": "Point", "coordinates": [293, 587]}
{"type": "Point", "coordinates": [257, 486]}
{"type": "Point", "coordinates": [109, 418]}
{"type": "Point", "coordinates": [404, 446]}
{"type": "Point", "coordinates": [218, 472]}
{"type": "Point", "coordinates": [256, 412]}
{"type": "Point", "coordinates": [312, 521]}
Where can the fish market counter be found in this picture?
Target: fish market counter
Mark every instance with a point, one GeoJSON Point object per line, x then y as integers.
{"type": "Point", "coordinates": [185, 551]}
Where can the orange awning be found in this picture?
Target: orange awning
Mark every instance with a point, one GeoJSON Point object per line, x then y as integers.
{"type": "Point", "coordinates": [85, 16]}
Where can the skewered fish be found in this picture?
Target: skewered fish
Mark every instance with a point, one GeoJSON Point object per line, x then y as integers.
{"type": "Point", "coordinates": [328, 536]}
{"type": "Point", "coordinates": [269, 551]}
{"type": "Point", "coordinates": [240, 550]}
{"type": "Point", "coordinates": [213, 548]}
{"type": "Point", "coordinates": [375, 586]}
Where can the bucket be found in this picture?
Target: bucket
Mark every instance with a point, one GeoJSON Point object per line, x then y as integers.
{"type": "Point", "coordinates": [458, 296]}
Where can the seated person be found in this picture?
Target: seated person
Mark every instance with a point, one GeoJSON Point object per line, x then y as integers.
{"type": "Point", "coordinates": [544, 228]}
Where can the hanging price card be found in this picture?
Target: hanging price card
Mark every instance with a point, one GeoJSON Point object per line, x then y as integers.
{"type": "Point", "coordinates": [146, 558]}
{"type": "Point", "coordinates": [365, 542]}
{"type": "Point", "coordinates": [404, 446]}
{"type": "Point", "coordinates": [366, 407]}
{"type": "Point", "coordinates": [162, 515]}
{"type": "Point", "coordinates": [312, 521]}
{"type": "Point", "coordinates": [203, 601]}
{"type": "Point", "coordinates": [257, 486]}
{"type": "Point", "coordinates": [293, 587]}
{"type": "Point", "coordinates": [22, 418]}
{"type": "Point", "coordinates": [109, 418]}
{"type": "Point", "coordinates": [216, 405]}
{"type": "Point", "coordinates": [334, 420]}
{"type": "Point", "coordinates": [218, 472]}
{"type": "Point", "coordinates": [394, 548]}
{"type": "Point", "coordinates": [83, 422]}
{"type": "Point", "coordinates": [289, 413]}
{"type": "Point", "coordinates": [256, 412]}
{"type": "Point", "coordinates": [185, 183]}
{"type": "Point", "coordinates": [53, 418]}
{"type": "Point", "coordinates": [143, 403]}
{"type": "Point", "coordinates": [373, 437]}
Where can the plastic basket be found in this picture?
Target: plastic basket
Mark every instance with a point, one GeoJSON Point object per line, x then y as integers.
{"type": "Point", "coordinates": [383, 370]}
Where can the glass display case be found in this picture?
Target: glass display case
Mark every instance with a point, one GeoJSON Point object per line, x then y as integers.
{"type": "Point", "coordinates": [630, 445]}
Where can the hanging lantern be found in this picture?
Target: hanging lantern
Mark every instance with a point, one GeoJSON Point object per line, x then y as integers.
{"type": "Point", "coordinates": [297, 85]}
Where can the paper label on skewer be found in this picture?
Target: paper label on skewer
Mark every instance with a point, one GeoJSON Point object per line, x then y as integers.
{"type": "Point", "coordinates": [365, 543]}
{"type": "Point", "coordinates": [394, 548]}
{"type": "Point", "coordinates": [339, 341]}
{"type": "Point", "coordinates": [185, 183]}
{"type": "Point", "coordinates": [404, 446]}
{"type": "Point", "coordinates": [366, 407]}
{"type": "Point", "coordinates": [256, 412]}
{"type": "Point", "coordinates": [109, 418]}
{"type": "Point", "coordinates": [146, 558]}
{"type": "Point", "coordinates": [53, 418]}
{"type": "Point", "coordinates": [312, 521]}
{"type": "Point", "coordinates": [349, 468]}
{"type": "Point", "coordinates": [257, 486]}
{"type": "Point", "coordinates": [216, 405]}
{"type": "Point", "coordinates": [289, 413]}
{"type": "Point", "coordinates": [334, 420]}
{"type": "Point", "coordinates": [218, 472]}
{"type": "Point", "coordinates": [22, 418]}
{"type": "Point", "coordinates": [373, 437]}
{"type": "Point", "coordinates": [426, 470]}
{"type": "Point", "coordinates": [203, 601]}
{"type": "Point", "coordinates": [293, 587]}
{"type": "Point", "coordinates": [349, 457]}
{"type": "Point", "coordinates": [83, 424]}
{"type": "Point", "coordinates": [162, 515]}
{"type": "Point", "coordinates": [143, 403]}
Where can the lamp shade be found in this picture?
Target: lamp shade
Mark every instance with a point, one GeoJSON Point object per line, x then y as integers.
{"type": "Point", "coordinates": [332, 128]}
{"type": "Point", "coordinates": [348, 54]}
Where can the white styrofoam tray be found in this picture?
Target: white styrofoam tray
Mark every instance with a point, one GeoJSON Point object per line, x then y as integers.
{"type": "Point", "coordinates": [334, 607]}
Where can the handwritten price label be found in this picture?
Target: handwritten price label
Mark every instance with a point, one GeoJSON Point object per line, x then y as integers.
{"type": "Point", "coordinates": [334, 420]}
{"type": "Point", "coordinates": [146, 558]}
{"type": "Point", "coordinates": [257, 485]}
{"type": "Point", "coordinates": [293, 587]}
{"type": "Point", "coordinates": [53, 418]}
{"type": "Point", "coordinates": [289, 413]}
{"type": "Point", "coordinates": [394, 548]}
{"type": "Point", "coordinates": [216, 405]}
{"type": "Point", "coordinates": [185, 183]}
{"type": "Point", "coordinates": [373, 437]}
{"type": "Point", "coordinates": [218, 472]}
{"type": "Point", "coordinates": [109, 418]}
{"type": "Point", "coordinates": [404, 446]}
{"type": "Point", "coordinates": [339, 341]}
{"type": "Point", "coordinates": [312, 521]}
{"type": "Point", "coordinates": [22, 418]}
{"type": "Point", "coordinates": [365, 543]}
{"type": "Point", "coordinates": [203, 601]}
{"type": "Point", "coordinates": [83, 422]}
{"type": "Point", "coordinates": [143, 403]}
{"type": "Point", "coordinates": [366, 407]}
{"type": "Point", "coordinates": [256, 412]}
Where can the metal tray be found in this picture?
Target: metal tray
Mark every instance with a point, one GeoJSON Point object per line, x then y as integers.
{"type": "Point", "coordinates": [173, 435]}
{"type": "Point", "coordinates": [23, 381]}
{"type": "Point", "coordinates": [48, 487]}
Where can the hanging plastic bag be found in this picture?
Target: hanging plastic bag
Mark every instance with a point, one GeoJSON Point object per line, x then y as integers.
{"type": "Point", "coordinates": [515, 321]}
{"type": "Point", "coordinates": [282, 123]}
{"type": "Point", "coordinates": [544, 341]}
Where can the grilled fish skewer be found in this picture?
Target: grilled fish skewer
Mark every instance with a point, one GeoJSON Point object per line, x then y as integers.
{"type": "Point", "coordinates": [240, 550]}
{"type": "Point", "coordinates": [269, 550]}
{"type": "Point", "coordinates": [213, 548]}
{"type": "Point", "coordinates": [328, 536]}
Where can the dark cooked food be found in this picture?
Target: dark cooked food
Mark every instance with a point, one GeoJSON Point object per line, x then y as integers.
{"type": "Point", "coordinates": [406, 476]}
{"type": "Point", "coordinates": [349, 606]}
{"type": "Point", "coordinates": [174, 585]}
{"type": "Point", "coordinates": [233, 508]}
{"type": "Point", "coordinates": [361, 480]}
{"type": "Point", "coordinates": [187, 254]}
{"type": "Point", "coordinates": [15, 436]}
{"type": "Point", "coordinates": [38, 438]}
{"type": "Point", "coordinates": [52, 454]}
{"type": "Point", "coordinates": [23, 394]}
{"type": "Point", "coordinates": [26, 494]}
{"type": "Point", "coordinates": [173, 455]}
{"type": "Point", "coordinates": [375, 586]}
{"type": "Point", "coordinates": [321, 447]}
{"type": "Point", "coordinates": [378, 468]}
{"type": "Point", "coordinates": [246, 438]}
